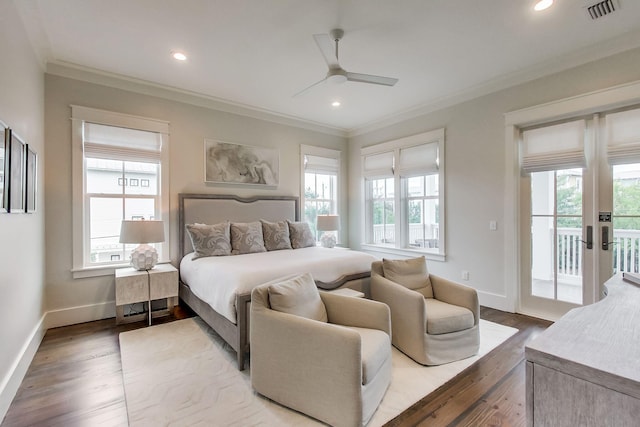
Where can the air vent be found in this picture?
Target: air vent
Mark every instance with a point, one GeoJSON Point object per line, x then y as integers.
{"type": "Point", "coordinates": [602, 9]}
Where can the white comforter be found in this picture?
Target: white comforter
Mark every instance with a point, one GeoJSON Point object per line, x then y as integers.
{"type": "Point", "coordinates": [217, 280]}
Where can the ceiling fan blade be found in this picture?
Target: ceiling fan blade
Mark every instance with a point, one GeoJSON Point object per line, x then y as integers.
{"type": "Point", "coordinates": [368, 78]}
{"type": "Point", "coordinates": [309, 87]}
{"type": "Point", "coordinates": [327, 47]}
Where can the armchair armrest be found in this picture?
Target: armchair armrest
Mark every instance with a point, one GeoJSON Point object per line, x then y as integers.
{"type": "Point", "coordinates": [457, 294]}
{"type": "Point", "coordinates": [408, 315]}
{"type": "Point", "coordinates": [358, 312]}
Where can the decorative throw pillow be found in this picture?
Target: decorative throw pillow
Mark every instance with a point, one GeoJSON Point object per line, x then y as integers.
{"type": "Point", "coordinates": [300, 235]}
{"type": "Point", "coordinates": [209, 240]}
{"type": "Point", "coordinates": [411, 273]}
{"type": "Point", "coordinates": [246, 238]}
{"type": "Point", "coordinates": [298, 296]}
{"type": "Point", "coordinates": [276, 235]}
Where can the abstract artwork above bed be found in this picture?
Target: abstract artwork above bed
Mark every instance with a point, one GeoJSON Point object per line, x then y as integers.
{"type": "Point", "coordinates": [229, 163]}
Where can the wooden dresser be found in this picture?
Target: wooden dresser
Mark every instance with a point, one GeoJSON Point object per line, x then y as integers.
{"type": "Point", "coordinates": [584, 370]}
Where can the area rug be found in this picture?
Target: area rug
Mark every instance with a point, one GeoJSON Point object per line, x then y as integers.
{"type": "Point", "coordinates": [183, 374]}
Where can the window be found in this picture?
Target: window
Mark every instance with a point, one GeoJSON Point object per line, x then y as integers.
{"type": "Point", "coordinates": [404, 200]}
{"type": "Point", "coordinates": [112, 154]}
{"type": "Point", "coordinates": [321, 169]}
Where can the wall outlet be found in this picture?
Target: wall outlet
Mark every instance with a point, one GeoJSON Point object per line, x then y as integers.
{"type": "Point", "coordinates": [493, 225]}
{"type": "Point", "coordinates": [465, 275]}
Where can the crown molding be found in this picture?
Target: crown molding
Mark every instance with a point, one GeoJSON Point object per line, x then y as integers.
{"type": "Point", "coordinates": [118, 81]}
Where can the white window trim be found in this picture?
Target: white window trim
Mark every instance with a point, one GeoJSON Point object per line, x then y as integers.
{"type": "Point", "coordinates": [79, 115]}
{"type": "Point", "coordinates": [329, 153]}
{"type": "Point", "coordinates": [434, 136]}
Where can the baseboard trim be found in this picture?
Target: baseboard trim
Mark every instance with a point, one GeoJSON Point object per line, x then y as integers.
{"type": "Point", "coordinates": [80, 314]}
{"type": "Point", "coordinates": [499, 302]}
{"type": "Point", "coordinates": [14, 376]}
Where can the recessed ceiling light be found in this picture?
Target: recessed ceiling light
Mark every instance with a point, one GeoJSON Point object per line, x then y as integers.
{"type": "Point", "coordinates": [179, 56]}
{"type": "Point", "coordinates": [542, 5]}
{"type": "Point", "coordinates": [335, 104]}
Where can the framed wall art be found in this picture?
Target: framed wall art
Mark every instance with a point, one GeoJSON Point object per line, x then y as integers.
{"type": "Point", "coordinates": [31, 180]}
{"type": "Point", "coordinates": [3, 167]}
{"type": "Point", "coordinates": [230, 163]}
{"type": "Point", "coordinates": [16, 152]}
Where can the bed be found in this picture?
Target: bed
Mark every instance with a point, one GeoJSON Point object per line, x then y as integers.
{"type": "Point", "coordinates": [218, 288]}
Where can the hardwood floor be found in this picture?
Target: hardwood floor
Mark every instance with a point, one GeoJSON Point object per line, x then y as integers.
{"type": "Point", "coordinates": [75, 379]}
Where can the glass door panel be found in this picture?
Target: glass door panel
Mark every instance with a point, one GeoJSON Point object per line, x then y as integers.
{"type": "Point", "coordinates": [626, 218]}
{"type": "Point", "coordinates": [556, 235]}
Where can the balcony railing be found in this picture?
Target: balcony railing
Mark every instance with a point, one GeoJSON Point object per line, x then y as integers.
{"type": "Point", "coordinates": [420, 235]}
{"type": "Point", "coordinates": [625, 247]}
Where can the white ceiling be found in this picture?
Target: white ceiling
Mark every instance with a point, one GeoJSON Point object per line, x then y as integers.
{"type": "Point", "coordinates": [259, 53]}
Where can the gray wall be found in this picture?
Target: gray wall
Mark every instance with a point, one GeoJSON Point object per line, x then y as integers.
{"type": "Point", "coordinates": [74, 300]}
{"type": "Point", "coordinates": [21, 235]}
{"type": "Point", "coordinates": [475, 168]}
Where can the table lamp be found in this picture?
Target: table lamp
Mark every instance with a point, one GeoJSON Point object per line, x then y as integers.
{"type": "Point", "coordinates": [328, 224]}
{"type": "Point", "coordinates": [144, 257]}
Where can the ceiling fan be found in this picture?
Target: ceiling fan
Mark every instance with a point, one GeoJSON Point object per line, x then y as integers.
{"type": "Point", "coordinates": [336, 73]}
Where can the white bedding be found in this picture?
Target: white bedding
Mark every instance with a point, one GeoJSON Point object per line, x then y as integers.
{"type": "Point", "coordinates": [217, 280]}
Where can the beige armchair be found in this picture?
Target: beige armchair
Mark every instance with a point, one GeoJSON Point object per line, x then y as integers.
{"type": "Point", "coordinates": [325, 355]}
{"type": "Point", "coordinates": [434, 320]}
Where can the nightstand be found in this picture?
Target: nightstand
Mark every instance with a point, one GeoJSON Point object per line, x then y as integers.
{"type": "Point", "coordinates": [133, 286]}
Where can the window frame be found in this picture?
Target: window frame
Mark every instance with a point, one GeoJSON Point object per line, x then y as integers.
{"type": "Point", "coordinates": [401, 200]}
{"type": "Point", "coordinates": [80, 223]}
{"type": "Point", "coordinates": [328, 153]}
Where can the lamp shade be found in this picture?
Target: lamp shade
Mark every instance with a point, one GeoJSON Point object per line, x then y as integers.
{"type": "Point", "coordinates": [141, 231]}
{"type": "Point", "coordinates": [328, 222]}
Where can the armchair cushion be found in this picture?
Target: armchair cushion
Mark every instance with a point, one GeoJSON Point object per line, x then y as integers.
{"type": "Point", "coordinates": [298, 295]}
{"type": "Point", "coordinates": [411, 273]}
{"type": "Point", "coordinates": [443, 318]}
{"type": "Point", "coordinates": [374, 347]}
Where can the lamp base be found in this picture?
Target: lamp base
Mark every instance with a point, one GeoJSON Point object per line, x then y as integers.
{"type": "Point", "coordinates": [328, 240]}
{"type": "Point", "coordinates": [144, 257]}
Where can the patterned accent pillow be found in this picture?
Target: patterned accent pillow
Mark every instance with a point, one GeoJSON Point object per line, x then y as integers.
{"type": "Point", "coordinates": [209, 240]}
{"type": "Point", "coordinates": [300, 234]}
{"type": "Point", "coordinates": [276, 235]}
{"type": "Point", "coordinates": [246, 238]}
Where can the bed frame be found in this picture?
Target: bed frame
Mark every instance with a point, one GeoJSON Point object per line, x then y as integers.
{"type": "Point", "coordinates": [215, 208]}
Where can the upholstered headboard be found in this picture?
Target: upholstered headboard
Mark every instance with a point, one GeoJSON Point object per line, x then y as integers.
{"type": "Point", "coordinates": [215, 208]}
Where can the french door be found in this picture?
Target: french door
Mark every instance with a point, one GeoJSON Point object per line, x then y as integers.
{"type": "Point", "coordinates": [580, 211]}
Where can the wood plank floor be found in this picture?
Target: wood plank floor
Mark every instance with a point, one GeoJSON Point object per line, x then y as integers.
{"type": "Point", "coordinates": [75, 379]}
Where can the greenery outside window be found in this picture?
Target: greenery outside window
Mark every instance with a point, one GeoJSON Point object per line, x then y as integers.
{"type": "Point", "coordinates": [320, 169]}
{"type": "Point", "coordinates": [404, 198]}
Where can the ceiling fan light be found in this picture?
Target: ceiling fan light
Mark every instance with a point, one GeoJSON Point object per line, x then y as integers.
{"type": "Point", "coordinates": [336, 104]}
{"type": "Point", "coordinates": [337, 78]}
{"type": "Point", "coordinates": [542, 5]}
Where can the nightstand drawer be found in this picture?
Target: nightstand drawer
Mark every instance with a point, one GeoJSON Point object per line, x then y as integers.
{"type": "Point", "coordinates": [164, 285]}
{"type": "Point", "coordinates": [131, 288]}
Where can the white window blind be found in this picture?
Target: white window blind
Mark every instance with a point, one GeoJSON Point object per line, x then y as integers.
{"type": "Point", "coordinates": [378, 165]}
{"type": "Point", "coordinates": [623, 137]}
{"type": "Point", "coordinates": [117, 143]}
{"type": "Point", "coordinates": [553, 147]}
{"type": "Point", "coordinates": [419, 160]}
{"type": "Point", "coordinates": [321, 164]}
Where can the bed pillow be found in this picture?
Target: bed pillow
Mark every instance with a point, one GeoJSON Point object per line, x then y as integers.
{"type": "Point", "coordinates": [209, 240]}
{"type": "Point", "coordinates": [300, 235]}
{"type": "Point", "coordinates": [411, 273]}
{"type": "Point", "coordinates": [276, 235]}
{"type": "Point", "coordinates": [246, 238]}
{"type": "Point", "coordinates": [299, 296]}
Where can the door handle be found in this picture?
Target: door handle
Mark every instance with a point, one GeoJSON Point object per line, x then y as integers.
{"type": "Point", "coordinates": [605, 238]}
{"type": "Point", "coordinates": [589, 241]}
